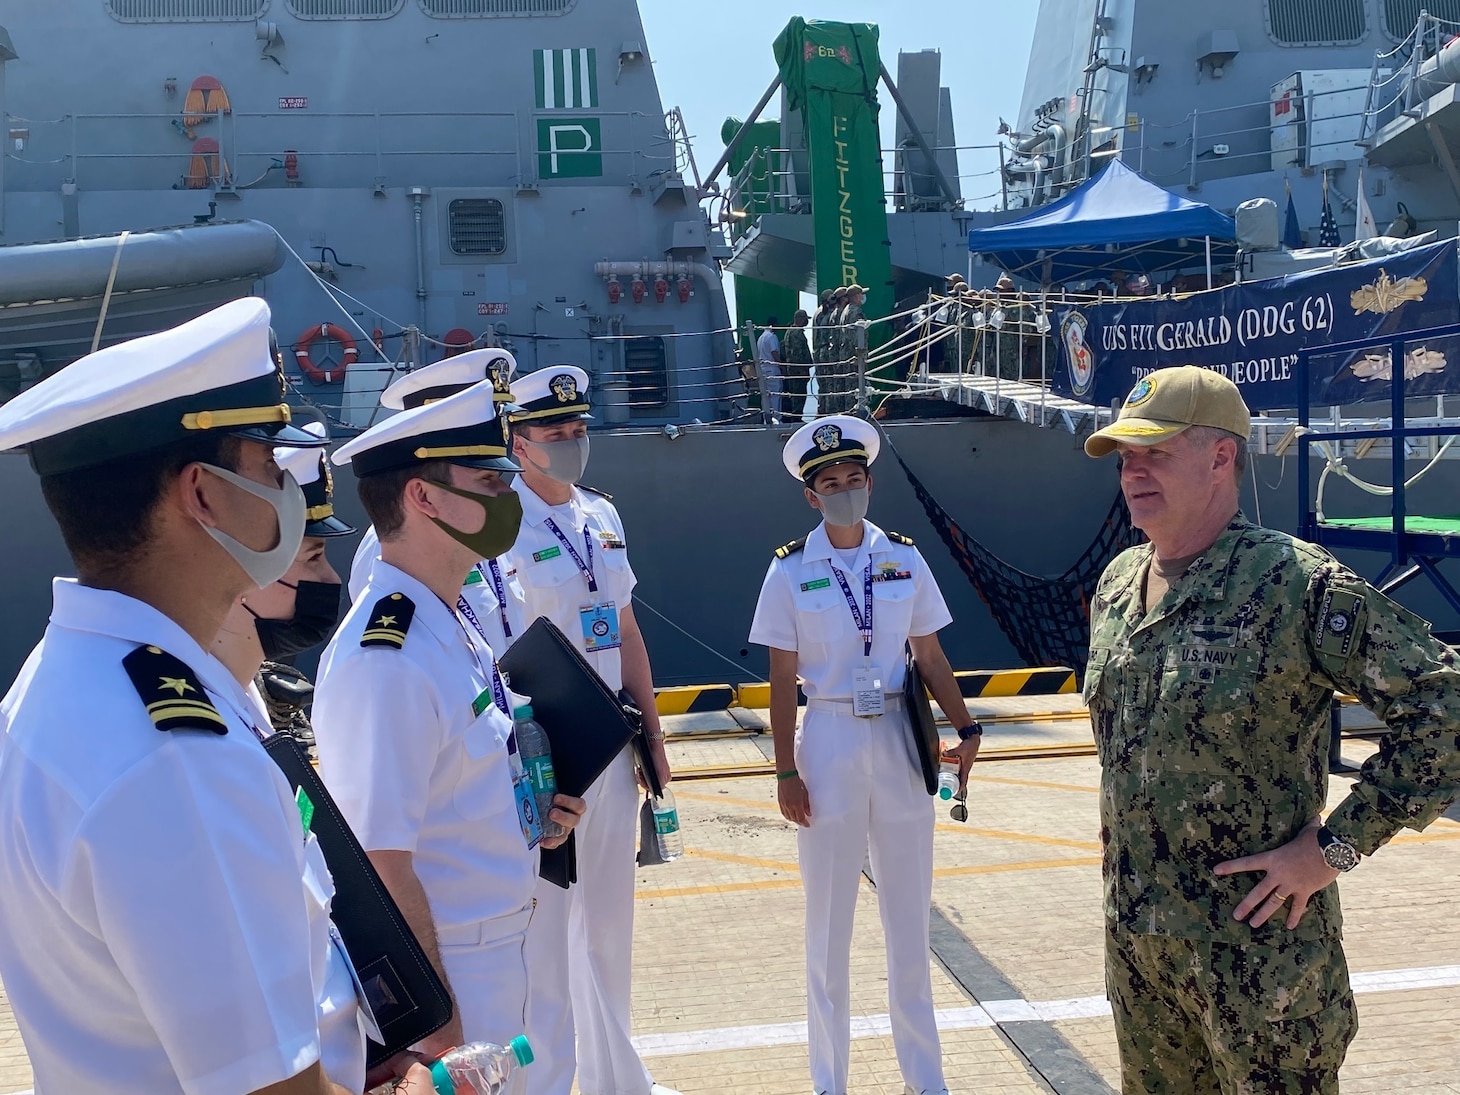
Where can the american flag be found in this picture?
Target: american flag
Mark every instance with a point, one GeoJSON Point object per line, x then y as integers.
{"type": "Point", "coordinates": [1327, 227]}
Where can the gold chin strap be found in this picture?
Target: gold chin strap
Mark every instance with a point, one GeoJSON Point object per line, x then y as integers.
{"type": "Point", "coordinates": [844, 455]}
{"type": "Point", "coordinates": [319, 513]}
{"type": "Point", "coordinates": [448, 451]}
{"type": "Point", "coordinates": [550, 412]}
{"type": "Point", "coordinates": [236, 416]}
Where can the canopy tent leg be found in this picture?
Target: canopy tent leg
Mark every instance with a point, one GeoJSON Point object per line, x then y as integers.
{"type": "Point", "coordinates": [1209, 261]}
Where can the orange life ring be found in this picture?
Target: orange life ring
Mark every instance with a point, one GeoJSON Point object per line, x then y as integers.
{"type": "Point", "coordinates": [307, 365]}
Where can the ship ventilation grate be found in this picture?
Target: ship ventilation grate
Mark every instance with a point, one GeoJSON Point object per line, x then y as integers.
{"type": "Point", "coordinates": [1046, 620]}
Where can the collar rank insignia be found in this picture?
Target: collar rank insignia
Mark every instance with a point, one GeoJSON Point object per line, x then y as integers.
{"type": "Point", "coordinates": [174, 697]}
{"type": "Point", "coordinates": [565, 387]}
{"type": "Point", "coordinates": [389, 621]}
{"type": "Point", "coordinates": [827, 437]}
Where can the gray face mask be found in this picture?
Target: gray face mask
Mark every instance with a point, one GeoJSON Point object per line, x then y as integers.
{"type": "Point", "coordinates": [566, 460]}
{"type": "Point", "coordinates": [264, 568]}
{"type": "Point", "coordinates": [846, 508]}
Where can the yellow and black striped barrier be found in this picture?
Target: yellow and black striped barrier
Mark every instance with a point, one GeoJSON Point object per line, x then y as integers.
{"type": "Point", "coordinates": [998, 683]}
{"type": "Point", "coordinates": [693, 699]}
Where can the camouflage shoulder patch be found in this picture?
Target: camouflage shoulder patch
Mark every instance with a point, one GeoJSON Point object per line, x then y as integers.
{"type": "Point", "coordinates": [1340, 618]}
{"type": "Point", "coordinates": [390, 619]}
{"type": "Point", "coordinates": [174, 697]}
{"type": "Point", "coordinates": [785, 551]}
{"type": "Point", "coordinates": [899, 538]}
{"type": "Point", "coordinates": [594, 490]}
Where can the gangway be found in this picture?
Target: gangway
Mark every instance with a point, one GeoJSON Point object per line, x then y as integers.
{"type": "Point", "coordinates": [1415, 544]}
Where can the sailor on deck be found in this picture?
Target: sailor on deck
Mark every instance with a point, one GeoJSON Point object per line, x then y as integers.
{"type": "Point", "coordinates": [164, 913]}
{"type": "Point", "coordinates": [839, 607]}
{"type": "Point", "coordinates": [413, 720]}
{"type": "Point", "coordinates": [491, 587]}
{"type": "Point", "coordinates": [572, 559]}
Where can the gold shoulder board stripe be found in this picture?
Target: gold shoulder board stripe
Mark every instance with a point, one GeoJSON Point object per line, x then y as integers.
{"type": "Point", "coordinates": [171, 692]}
{"type": "Point", "coordinates": [787, 550]}
{"type": "Point", "coordinates": [390, 619]}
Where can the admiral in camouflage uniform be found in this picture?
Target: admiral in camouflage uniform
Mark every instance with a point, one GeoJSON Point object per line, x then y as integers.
{"type": "Point", "coordinates": [1209, 684]}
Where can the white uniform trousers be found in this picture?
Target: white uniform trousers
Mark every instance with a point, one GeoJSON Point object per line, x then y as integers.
{"type": "Point", "coordinates": [486, 964]}
{"type": "Point", "coordinates": [866, 795]}
{"type": "Point", "coordinates": [580, 948]}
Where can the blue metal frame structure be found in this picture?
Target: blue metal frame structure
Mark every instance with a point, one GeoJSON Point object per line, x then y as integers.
{"type": "Point", "coordinates": [1410, 553]}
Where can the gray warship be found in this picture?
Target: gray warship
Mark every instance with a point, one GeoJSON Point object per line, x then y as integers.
{"type": "Point", "coordinates": [395, 199]}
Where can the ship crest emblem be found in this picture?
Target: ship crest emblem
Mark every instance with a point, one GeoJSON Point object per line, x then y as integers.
{"type": "Point", "coordinates": [1387, 294]}
{"type": "Point", "coordinates": [565, 387]}
{"type": "Point", "coordinates": [827, 437]}
{"type": "Point", "coordinates": [1081, 360]}
{"type": "Point", "coordinates": [1144, 389]}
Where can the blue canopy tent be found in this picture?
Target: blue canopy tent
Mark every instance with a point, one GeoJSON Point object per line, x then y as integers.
{"type": "Point", "coordinates": [1115, 219]}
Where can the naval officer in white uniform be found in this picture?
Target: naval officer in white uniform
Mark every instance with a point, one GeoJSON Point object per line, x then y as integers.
{"type": "Point", "coordinates": [838, 608]}
{"type": "Point", "coordinates": [572, 559]}
{"type": "Point", "coordinates": [491, 586]}
{"type": "Point", "coordinates": [413, 721]}
{"type": "Point", "coordinates": [163, 908]}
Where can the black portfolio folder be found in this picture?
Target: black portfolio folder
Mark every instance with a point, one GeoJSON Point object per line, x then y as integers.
{"type": "Point", "coordinates": [927, 747]}
{"type": "Point", "coordinates": [586, 724]}
{"type": "Point", "coordinates": [408, 998]}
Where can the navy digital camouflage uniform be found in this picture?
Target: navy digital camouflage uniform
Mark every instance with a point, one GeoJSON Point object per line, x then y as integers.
{"type": "Point", "coordinates": [1211, 716]}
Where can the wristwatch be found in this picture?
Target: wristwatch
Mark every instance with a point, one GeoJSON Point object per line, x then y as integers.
{"type": "Point", "coordinates": [1338, 854]}
{"type": "Point", "coordinates": [972, 730]}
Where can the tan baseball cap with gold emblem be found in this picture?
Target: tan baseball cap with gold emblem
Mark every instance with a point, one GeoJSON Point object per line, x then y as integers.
{"type": "Point", "coordinates": [1169, 401]}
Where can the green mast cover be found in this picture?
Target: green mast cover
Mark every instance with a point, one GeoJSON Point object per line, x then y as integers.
{"type": "Point", "coordinates": [830, 72]}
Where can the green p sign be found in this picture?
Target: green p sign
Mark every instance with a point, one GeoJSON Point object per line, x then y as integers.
{"type": "Point", "coordinates": [569, 148]}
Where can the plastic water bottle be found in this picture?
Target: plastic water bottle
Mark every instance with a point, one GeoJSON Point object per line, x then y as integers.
{"type": "Point", "coordinates": [666, 827]}
{"type": "Point", "coordinates": [947, 777]}
{"type": "Point", "coordinates": [480, 1068]}
{"type": "Point", "coordinates": [537, 761]}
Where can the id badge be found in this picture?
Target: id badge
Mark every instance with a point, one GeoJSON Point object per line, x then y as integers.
{"type": "Point", "coordinates": [600, 627]}
{"type": "Point", "coordinates": [372, 1028]}
{"type": "Point", "coordinates": [867, 698]}
{"type": "Point", "coordinates": [527, 809]}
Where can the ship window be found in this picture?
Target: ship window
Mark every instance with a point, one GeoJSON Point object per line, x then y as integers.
{"type": "Point", "coordinates": [185, 11]}
{"type": "Point", "coordinates": [1401, 16]}
{"type": "Point", "coordinates": [1315, 22]}
{"type": "Point", "coordinates": [646, 372]}
{"type": "Point", "coordinates": [344, 9]}
{"type": "Point", "coordinates": [478, 226]}
{"type": "Point", "coordinates": [449, 9]}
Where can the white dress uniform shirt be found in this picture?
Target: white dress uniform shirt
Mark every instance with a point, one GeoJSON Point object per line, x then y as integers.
{"type": "Point", "coordinates": [163, 918]}
{"type": "Point", "coordinates": [504, 620]}
{"type": "Point", "coordinates": [802, 608]}
{"type": "Point", "coordinates": [551, 581]}
{"type": "Point", "coordinates": [412, 767]}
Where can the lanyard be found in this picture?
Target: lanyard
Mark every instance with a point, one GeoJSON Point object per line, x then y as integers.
{"type": "Point", "coordinates": [500, 589]}
{"type": "Point", "coordinates": [585, 569]}
{"type": "Point", "coordinates": [499, 690]}
{"type": "Point", "coordinates": [864, 623]}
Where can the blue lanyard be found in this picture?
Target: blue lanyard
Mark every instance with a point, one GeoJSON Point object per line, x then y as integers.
{"type": "Point", "coordinates": [864, 623]}
{"type": "Point", "coordinates": [585, 569]}
{"type": "Point", "coordinates": [499, 690]}
{"type": "Point", "coordinates": [500, 589]}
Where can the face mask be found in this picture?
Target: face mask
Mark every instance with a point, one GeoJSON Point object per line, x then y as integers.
{"type": "Point", "coordinates": [566, 460]}
{"type": "Point", "coordinates": [846, 508]}
{"type": "Point", "coordinates": [264, 568]}
{"type": "Point", "coordinates": [498, 531]}
{"type": "Point", "coordinates": [316, 611]}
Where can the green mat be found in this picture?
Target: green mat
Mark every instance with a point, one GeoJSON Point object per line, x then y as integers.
{"type": "Point", "coordinates": [1444, 526]}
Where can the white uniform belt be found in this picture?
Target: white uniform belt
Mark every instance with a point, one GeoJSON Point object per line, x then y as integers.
{"type": "Point", "coordinates": [485, 931]}
{"type": "Point", "coordinates": [891, 701]}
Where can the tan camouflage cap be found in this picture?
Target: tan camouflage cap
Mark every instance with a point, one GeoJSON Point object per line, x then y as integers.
{"type": "Point", "coordinates": [1170, 401]}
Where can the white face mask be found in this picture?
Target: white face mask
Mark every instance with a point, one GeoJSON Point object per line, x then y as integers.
{"type": "Point", "coordinates": [845, 508]}
{"type": "Point", "coordinates": [264, 568]}
{"type": "Point", "coordinates": [566, 460]}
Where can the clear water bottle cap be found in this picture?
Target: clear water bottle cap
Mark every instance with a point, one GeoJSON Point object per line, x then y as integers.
{"type": "Point", "coordinates": [522, 1048]}
{"type": "Point", "coordinates": [523, 712]}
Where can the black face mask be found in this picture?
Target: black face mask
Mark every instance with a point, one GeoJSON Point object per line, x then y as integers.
{"type": "Point", "coordinates": [316, 611]}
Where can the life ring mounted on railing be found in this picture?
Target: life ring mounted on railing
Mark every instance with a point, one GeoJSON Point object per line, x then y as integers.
{"type": "Point", "coordinates": [327, 331]}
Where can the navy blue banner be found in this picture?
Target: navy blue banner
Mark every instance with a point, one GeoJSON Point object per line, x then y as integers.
{"type": "Point", "coordinates": [1252, 333]}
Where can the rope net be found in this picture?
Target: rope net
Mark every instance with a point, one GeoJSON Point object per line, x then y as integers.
{"type": "Point", "coordinates": [1046, 620]}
